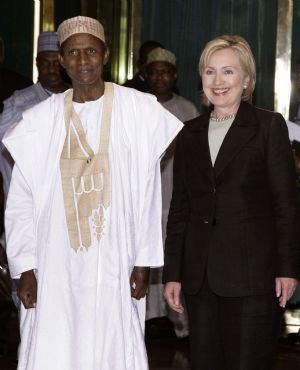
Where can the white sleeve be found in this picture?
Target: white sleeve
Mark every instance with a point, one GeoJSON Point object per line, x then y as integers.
{"type": "Point", "coordinates": [19, 226]}
{"type": "Point", "coordinates": [149, 242]}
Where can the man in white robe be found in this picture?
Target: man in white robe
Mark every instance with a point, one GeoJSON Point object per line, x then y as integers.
{"type": "Point", "coordinates": [83, 217]}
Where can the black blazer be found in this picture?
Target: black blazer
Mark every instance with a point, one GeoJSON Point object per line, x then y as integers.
{"type": "Point", "coordinates": [237, 221]}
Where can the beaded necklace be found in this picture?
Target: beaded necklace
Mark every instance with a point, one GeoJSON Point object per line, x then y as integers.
{"type": "Point", "coordinates": [221, 119]}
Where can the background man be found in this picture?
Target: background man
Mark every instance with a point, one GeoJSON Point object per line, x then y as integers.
{"type": "Point", "coordinates": [138, 82]}
{"type": "Point", "coordinates": [83, 216]}
{"type": "Point", "coordinates": [51, 79]}
{"type": "Point", "coordinates": [161, 77]}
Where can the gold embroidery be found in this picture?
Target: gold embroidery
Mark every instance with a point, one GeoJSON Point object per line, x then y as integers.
{"type": "Point", "coordinates": [85, 176]}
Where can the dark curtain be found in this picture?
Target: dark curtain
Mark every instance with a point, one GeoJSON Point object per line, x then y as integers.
{"type": "Point", "coordinates": [184, 27]}
{"type": "Point", "coordinates": [296, 34]}
{"type": "Point", "coordinates": [66, 9]}
{"type": "Point", "coordinates": [16, 29]}
{"type": "Point", "coordinates": [295, 59]}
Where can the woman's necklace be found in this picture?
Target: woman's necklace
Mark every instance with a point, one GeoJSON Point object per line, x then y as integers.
{"type": "Point", "coordinates": [220, 119]}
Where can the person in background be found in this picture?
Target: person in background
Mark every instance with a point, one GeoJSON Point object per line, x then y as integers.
{"type": "Point", "coordinates": [161, 77]}
{"type": "Point", "coordinates": [83, 215]}
{"type": "Point", "coordinates": [138, 82]}
{"type": "Point", "coordinates": [233, 230]}
{"type": "Point", "coordinates": [51, 79]}
{"type": "Point", "coordinates": [10, 81]}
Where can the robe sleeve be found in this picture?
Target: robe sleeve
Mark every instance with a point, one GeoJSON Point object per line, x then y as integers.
{"type": "Point", "coordinates": [149, 243]}
{"type": "Point", "coordinates": [149, 248]}
{"type": "Point", "coordinates": [19, 226]}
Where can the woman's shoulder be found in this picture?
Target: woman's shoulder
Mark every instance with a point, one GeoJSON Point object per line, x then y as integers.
{"type": "Point", "coordinates": [197, 122]}
{"type": "Point", "coordinates": [264, 118]}
{"type": "Point", "coordinates": [261, 112]}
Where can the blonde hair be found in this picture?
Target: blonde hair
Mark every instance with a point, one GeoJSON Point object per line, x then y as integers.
{"type": "Point", "coordinates": [242, 48]}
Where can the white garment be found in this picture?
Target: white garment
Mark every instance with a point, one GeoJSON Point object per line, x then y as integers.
{"type": "Point", "coordinates": [294, 130]}
{"type": "Point", "coordinates": [184, 110]}
{"type": "Point", "coordinates": [90, 114]}
{"type": "Point", "coordinates": [216, 134]}
{"type": "Point", "coordinates": [85, 318]}
{"type": "Point", "coordinates": [14, 106]}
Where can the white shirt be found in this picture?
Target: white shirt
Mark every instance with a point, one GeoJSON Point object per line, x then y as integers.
{"type": "Point", "coordinates": [216, 133]}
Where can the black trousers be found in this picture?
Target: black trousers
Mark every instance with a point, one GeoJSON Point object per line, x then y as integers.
{"type": "Point", "coordinates": [232, 333]}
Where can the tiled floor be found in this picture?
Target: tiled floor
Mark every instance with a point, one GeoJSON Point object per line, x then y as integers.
{"type": "Point", "coordinates": [168, 353]}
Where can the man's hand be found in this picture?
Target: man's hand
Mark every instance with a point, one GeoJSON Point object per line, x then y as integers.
{"type": "Point", "coordinates": [285, 288]}
{"type": "Point", "coordinates": [139, 281]}
{"type": "Point", "coordinates": [27, 289]}
{"type": "Point", "coordinates": [172, 295]}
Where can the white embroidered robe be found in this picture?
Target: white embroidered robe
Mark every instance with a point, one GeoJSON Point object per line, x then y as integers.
{"type": "Point", "coordinates": [85, 318]}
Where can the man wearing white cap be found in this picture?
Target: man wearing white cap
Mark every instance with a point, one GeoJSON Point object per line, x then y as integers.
{"type": "Point", "coordinates": [50, 80]}
{"type": "Point", "coordinates": [83, 215]}
{"type": "Point", "coordinates": [161, 77]}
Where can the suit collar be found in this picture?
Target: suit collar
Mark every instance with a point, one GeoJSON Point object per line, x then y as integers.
{"type": "Point", "coordinates": [245, 117]}
{"type": "Point", "coordinates": [243, 128]}
{"type": "Point", "coordinates": [241, 131]}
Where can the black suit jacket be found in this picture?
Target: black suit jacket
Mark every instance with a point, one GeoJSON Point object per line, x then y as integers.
{"type": "Point", "coordinates": [237, 221]}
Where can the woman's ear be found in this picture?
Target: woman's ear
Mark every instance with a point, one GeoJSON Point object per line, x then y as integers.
{"type": "Point", "coordinates": [246, 82]}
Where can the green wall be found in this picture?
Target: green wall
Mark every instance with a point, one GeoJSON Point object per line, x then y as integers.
{"type": "Point", "coordinates": [16, 29]}
{"type": "Point", "coordinates": [65, 9]}
{"type": "Point", "coordinates": [185, 26]}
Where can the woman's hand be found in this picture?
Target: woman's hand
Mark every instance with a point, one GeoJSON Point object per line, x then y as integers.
{"type": "Point", "coordinates": [27, 289]}
{"type": "Point", "coordinates": [285, 288]}
{"type": "Point", "coordinates": [172, 295]}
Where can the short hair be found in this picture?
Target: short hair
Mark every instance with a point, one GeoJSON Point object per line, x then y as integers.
{"type": "Point", "coordinates": [247, 61]}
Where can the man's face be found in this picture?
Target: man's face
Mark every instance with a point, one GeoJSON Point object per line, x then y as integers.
{"type": "Point", "coordinates": [84, 56]}
{"type": "Point", "coordinates": [161, 77]}
{"type": "Point", "coordinates": [50, 71]}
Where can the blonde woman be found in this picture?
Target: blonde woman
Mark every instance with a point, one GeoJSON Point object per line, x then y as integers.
{"type": "Point", "coordinates": [232, 240]}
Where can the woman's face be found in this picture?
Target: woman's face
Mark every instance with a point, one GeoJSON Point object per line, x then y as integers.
{"type": "Point", "coordinates": [224, 80]}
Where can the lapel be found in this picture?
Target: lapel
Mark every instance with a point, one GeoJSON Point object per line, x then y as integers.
{"type": "Point", "coordinates": [243, 128]}
{"type": "Point", "coordinates": [199, 147]}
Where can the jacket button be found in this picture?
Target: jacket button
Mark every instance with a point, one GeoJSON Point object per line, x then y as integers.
{"type": "Point", "coordinates": [205, 222]}
{"type": "Point", "coordinates": [214, 190]}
